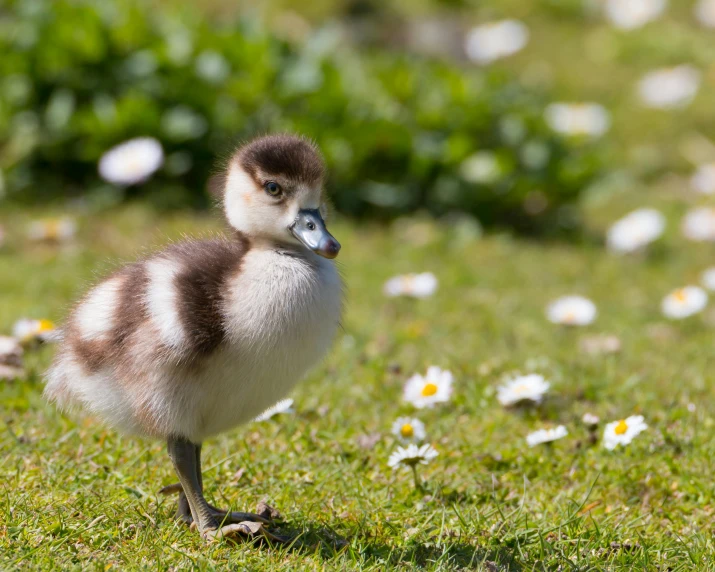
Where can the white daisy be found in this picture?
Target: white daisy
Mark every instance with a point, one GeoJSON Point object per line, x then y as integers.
{"type": "Point", "coordinates": [590, 420]}
{"type": "Point", "coordinates": [27, 330]}
{"type": "Point", "coordinates": [489, 42]}
{"type": "Point", "coordinates": [414, 285]}
{"type": "Point", "coordinates": [52, 230]}
{"type": "Point", "coordinates": [411, 456]}
{"type": "Point", "coordinates": [131, 162]}
{"type": "Point", "coordinates": [546, 435]}
{"type": "Point", "coordinates": [283, 406]}
{"type": "Point", "coordinates": [590, 119]}
{"type": "Point", "coordinates": [408, 429]}
{"type": "Point", "coordinates": [708, 278]}
{"type": "Point", "coordinates": [684, 302]}
{"type": "Point", "coordinates": [530, 387]}
{"type": "Point", "coordinates": [703, 180]}
{"type": "Point", "coordinates": [635, 230]}
{"type": "Point", "coordinates": [631, 14]}
{"type": "Point", "coordinates": [669, 88]}
{"type": "Point", "coordinates": [622, 432]}
{"type": "Point", "coordinates": [571, 311]}
{"type": "Point", "coordinates": [699, 224]}
{"type": "Point", "coordinates": [705, 13]}
{"type": "Point", "coordinates": [434, 387]}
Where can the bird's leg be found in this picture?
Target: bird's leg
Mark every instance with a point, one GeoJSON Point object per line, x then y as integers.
{"type": "Point", "coordinates": [197, 449]}
{"type": "Point", "coordinates": [183, 511]}
{"type": "Point", "coordinates": [187, 463]}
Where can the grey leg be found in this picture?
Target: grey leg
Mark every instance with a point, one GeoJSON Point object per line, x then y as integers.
{"type": "Point", "coordinates": [183, 511]}
{"type": "Point", "coordinates": [183, 455]}
{"type": "Point", "coordinates": [186, 457]}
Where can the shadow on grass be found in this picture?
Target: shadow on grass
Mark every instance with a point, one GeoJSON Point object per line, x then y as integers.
{"type": "Point", "coordinates": [313, 539]}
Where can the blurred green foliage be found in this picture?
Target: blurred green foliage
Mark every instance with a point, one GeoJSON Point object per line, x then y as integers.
{"type": "Point", "coordinates": [400, 133]}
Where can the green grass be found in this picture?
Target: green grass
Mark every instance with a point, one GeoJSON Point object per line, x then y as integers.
{"type": "Point", "coordinates": [75, 495]}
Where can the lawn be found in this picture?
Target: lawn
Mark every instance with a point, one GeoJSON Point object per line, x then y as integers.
{"type": "Point", "coordinates": [78, 496]}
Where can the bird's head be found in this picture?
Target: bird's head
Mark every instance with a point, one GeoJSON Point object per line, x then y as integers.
{"type": "Point", "coordinates": [272, 191]}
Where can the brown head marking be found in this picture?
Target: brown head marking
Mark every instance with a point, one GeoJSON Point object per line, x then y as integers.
{"type": "Point", "coordinates": [291, 156]}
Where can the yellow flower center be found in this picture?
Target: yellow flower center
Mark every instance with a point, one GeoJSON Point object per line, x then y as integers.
{"type": "Point", "coordinates": [621, 428]}
{"type": "Point", "coordinates": [45, 326]}
{"type": "Point", "coordinates": [408, 282]}
{"type": "Point", "coordinates": [52, 228]}
{"type": "Point", "coordinates": [522, 388]}
{"type": "Point", "coordinates": [429, 389]}
{"type": "Point", "coordinates": [569, 317]}
{"type": "Point", "coordinates": [406, 430]}
{"type": "Point", "coordinates": [680, 295]}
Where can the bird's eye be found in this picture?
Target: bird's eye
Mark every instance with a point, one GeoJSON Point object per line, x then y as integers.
{"type": "Point", "coordinates": [272, 188]}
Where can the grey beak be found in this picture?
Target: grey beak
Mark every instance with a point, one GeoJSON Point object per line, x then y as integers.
{"type": "Point", "coordinates": [309, 228]}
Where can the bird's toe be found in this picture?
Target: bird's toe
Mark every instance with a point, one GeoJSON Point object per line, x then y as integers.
{"type": "Point", "coordinates": [237, 517]}
{"type": "Point", "coordinates": [246, 530]}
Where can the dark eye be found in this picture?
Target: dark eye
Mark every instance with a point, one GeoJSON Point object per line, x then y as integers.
{"type": "Point", "coordinates": [272, 188]}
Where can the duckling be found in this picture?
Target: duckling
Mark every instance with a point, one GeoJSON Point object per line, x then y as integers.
{"type": "Point", "coordinates": [206, 334]}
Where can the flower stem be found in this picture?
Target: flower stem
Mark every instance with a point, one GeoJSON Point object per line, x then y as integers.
{"type": "Point", "coordinates": [415, 476]}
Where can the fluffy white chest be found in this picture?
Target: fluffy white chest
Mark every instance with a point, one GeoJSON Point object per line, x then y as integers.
{"type": "Point", "coordinates": [281, 313]}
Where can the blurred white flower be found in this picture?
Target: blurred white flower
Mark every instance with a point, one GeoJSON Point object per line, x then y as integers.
{"type": "Point", "coordinates": [179, 46]}
{"type": "Point", "coordinates": [535, 155]}
{"type": "Point", "coordinates": [414, 285]}
{"type": "Point", "coordinates": [669, 88]}
{"type": "Point", "coordinates": [11, 366]}
{"type": "Point", "coordinates": [435, 387]}
{"type": "Point", "coordinates": [622, 432]}
{"type": "Point", "coordinates": [589, 119]}
{"type": "Point", "coordinates": [636, 230]}
{"type": "Point", "coordinates": [699, 224]}
{"type": "Point", "coordinates": [684, 302]}
{"type": "Point", "coordinates": [10, 372]}
{"type": "Point", "coordinates": [482, 168]}
{"type": "Point", "coordinates": [283, 406]}
{"type": "Point", "coordinates": [409, 429]}
{"type": "Point", "coordinates": [708, 278]}
{"type": "Point", "coordinates": [489, 42]}
{"type": "Point", "coordinates": [411, 456]}
{"type": "Point", "coordinates": [182, 123]}
{"type": "Point", "coordinates": [27, 330]}
{"type": "Point", "coordinates": [590, 420]}
{"type": "Point", "coordinates": [571, 311]}
{"type": "Point", "coordinates": [52, 230]}
{"type": "Point", "coordinates": [703, 180]}
{"type": "Point", "coordinates": [530, 387]}
{"type": "Point", "coordinates": [212, 67]}
{"type": "Point", "coordinates": [141, 64]}
{"type": "Point", "coordinates": [131, 162]}
{"type": "Point", "coordinates": [600, 345]}
{"type": "Point", "coordinates": [705, 13]}
{"type": "Point", "coordinates": [546, 435]}
{"type": "Point", "coordinates": [631, 14]}
{"type": "Point", "coordinates": [10, 349]}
